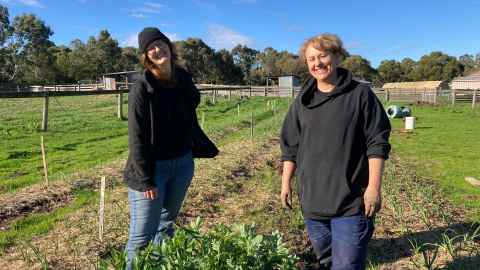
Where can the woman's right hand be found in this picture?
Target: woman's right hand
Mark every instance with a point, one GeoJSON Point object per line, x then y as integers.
{"type": "Point", "coordinates": [286, 196]}
{"type": "Point", "coordinates": [151, 194]}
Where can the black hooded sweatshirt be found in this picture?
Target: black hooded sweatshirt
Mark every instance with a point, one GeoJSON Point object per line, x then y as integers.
{"type": "Point", "coordinates": [330, 137]}
{"type": "Point", "coordinates": [157, 125]}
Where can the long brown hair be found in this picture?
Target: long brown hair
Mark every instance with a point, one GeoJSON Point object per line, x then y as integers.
{"type": "Point", "coordinates": [175, 62]}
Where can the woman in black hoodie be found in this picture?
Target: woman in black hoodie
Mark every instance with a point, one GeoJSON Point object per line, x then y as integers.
{"type": "Point", "coordinates": [160, 165]}
{"type": "Point", "coordinates": [335, 135]}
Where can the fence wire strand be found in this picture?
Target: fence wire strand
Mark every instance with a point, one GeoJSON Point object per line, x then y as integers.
{"type": "Point", "coordinates": [13, 108]}
{"type": "Point", "coordinates": [65, 110]}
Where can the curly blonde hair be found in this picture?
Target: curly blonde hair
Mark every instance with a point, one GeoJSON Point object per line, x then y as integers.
{"type": "Point", "coordinates": [324, 42]}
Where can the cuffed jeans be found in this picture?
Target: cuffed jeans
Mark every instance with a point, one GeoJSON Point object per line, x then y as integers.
{"type": "Point", "coordinates": [341, 243]}
{"type": "Point", "coordinates": [153, 219]}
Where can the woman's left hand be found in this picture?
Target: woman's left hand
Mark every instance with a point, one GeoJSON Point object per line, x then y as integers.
{"type": "Point", "coordinates": [151, 194]}
{"type": "Point", "coordinates": [373, 201]}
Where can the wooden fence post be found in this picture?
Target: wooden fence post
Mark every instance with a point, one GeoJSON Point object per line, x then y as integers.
{"type": "Point", "coordinates": [102, 209]}
{"type": "Point", "coordinates": [292, 93]}
{"type": "Point", "coordinates": [252, 124]}
{"type": "Point", "coordinates": [203, 119]}
{"type": "Point", "coordinates": [424, 94]}
{"type": "Point", "coordinates": [454, 97]}
{"type": "Point", "coordinates": [386, 95]}
{"type": "Point", "coordinates": [44, 160]}
{"type": "Point", "coordinates": [214, 95]}
{"type": "Point", "coordinates": [230, 93]}
{"type": "Point", "coordinates": [265, 91]}
{"type": "Point", "coordinates": [435, 95]}
{"type": "Point", "coordinates": [474, 101]}
{"type": "Point", "coordinates": [120, 101]}
{"type": "Point", "coordinates": [250, 92]}
{"type": "Point", "coordinates": [45, 113]}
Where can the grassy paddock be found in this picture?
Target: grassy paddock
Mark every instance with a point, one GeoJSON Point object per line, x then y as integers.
{"type": "Point", "coordinates": [99, 138]}
{"type": "Point", "coordinates": [445, 147]}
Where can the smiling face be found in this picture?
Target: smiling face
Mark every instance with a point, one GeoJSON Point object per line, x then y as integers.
{"type": "Point", "coordinates": [323, 66]}
{"type": "Point", "coordinates": [159, 53]}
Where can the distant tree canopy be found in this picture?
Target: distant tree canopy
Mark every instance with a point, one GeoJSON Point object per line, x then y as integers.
{"type": "Point", "coordinates": [27, 55]}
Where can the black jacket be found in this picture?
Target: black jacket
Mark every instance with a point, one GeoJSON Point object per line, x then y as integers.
{"type": "Point", "coordinates": [330, 137]}
{"type": "Point", "coordinates": [149, 113]}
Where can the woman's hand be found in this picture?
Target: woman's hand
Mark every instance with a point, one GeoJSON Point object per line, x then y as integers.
{"type": "Point", "coordinates": [286, 197]}
{"type": "Point", "coordinates": [286, 193]}
{"type": "Point", "coordinates": [151, 194]}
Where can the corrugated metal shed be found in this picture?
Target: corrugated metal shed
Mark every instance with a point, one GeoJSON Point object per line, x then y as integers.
{"type": "Point", "coordinates": [417, 85]}
{"type": "Point", "coordinates": [471, 81]}
{"type": "Point", "coordinates": [288, 81]}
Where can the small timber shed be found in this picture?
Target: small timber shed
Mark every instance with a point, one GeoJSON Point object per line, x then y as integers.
{"type": "Point", "coordinates": [417, 85]}
{"type": "Point", "coordinates": [110, 79]}
{"type": "Point", "coordinates": [471, 81]}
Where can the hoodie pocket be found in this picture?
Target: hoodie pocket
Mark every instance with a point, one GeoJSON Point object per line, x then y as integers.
{"type": "Point", "coordinates": [323, 194]}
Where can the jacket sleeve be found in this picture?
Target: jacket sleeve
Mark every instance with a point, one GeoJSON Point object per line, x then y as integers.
{"type": "Point", "coordinates": [376, 128]}
{"type": "Point", "coordinates": [194, 95]}
{"type": "Point", "coordinates": [290, 134]}
{"type": "Point", "coordinates": [139, 141]}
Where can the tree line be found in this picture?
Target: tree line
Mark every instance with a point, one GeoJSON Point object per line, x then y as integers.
{"type": "Point", "coordinates": [27, 55]}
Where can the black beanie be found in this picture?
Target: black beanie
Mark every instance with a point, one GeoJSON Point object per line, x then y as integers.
{"type": "Point", "coordinates": [148, 35]}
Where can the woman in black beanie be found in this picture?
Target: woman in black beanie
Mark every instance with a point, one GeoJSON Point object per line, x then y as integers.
{"type": "Point", "coordinates": [160, 165]}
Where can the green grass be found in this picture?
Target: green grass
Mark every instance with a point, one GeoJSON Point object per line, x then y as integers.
{"type": "Point", "coordinates": [24, 228]}
{"type": "Point", "coordinates": [444, 147]}
{"type": "Point", "coordinates": [99, 138]}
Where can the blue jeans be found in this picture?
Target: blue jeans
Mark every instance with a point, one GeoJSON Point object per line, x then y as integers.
{"type": "Point", "coordinates": [341, 243]}
{"type": "Point", "coordinates": [153, 219]}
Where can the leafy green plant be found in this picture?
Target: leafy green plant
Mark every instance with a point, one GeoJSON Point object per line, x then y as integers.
{"type": "Point", "coordinates": [219, 248]}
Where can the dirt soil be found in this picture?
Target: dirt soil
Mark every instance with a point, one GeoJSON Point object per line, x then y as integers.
{"type": "Point", "coordinates": [218, 197]}
{"type": "Point", "coordinates": [417, 103]}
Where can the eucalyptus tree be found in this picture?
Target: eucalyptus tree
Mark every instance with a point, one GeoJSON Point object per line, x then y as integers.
{"type": "Point", "coordinates": [359, 66]}
{"type": "Point", "coordinates": [390, 71]}
{"type": "Point", "coordinates": [244, 58]}
{"type": "Point", "coordinates": [437, 67]}
{"type": "Point", "coordinates": [24, 42]}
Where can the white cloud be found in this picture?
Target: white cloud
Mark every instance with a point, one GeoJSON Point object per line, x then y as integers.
{"type": "Point", "coordinates": [167, 25]}
{"type": "Point", "coordinates": [173, 36]}
{"type": "Point", "coordinates": [138, 15]}
{"type": "Point", "coordinates": [147, 10]}
{"type": "Point", "coordinates": [244, 1]}
{"type": "Point", "coordinates": [82, 1]}
{"type": "Point", "coordinates": [220, 37]}
{"type": "Point", "coordinates": [159, 6]}
{"type": "Point", "coordinates": [205, 5]}
{"type": "Point", "coordinates": [131, 40]}
{"type": "Point", "coordinates": [31, 3]}
{"type": "Point", "coordinates": [5, 1]}
{"type": "Point", "coordinates": [353, 44]}
{"type": "Point", "coordinates": [292, 27]}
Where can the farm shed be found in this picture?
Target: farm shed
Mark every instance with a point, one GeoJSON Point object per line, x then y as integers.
{"type": "Point", "coordinates": [417, 85]}
{"type": "Point", "coordinates": [288, 81]}
{"type": "Point", "coordinates": [284, 81]}
{"type": "Point", "coordinates": [471, 81]}
{"type": "Point", "coordinates": [110, 79]}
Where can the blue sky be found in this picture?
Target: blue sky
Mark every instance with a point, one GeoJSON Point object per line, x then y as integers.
{"type": "Point", "coordinates": [376, 30]}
